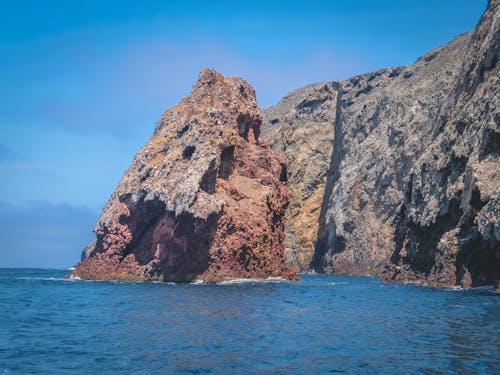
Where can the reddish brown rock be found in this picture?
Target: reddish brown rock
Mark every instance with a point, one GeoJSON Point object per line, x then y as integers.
{"type": "Point", "coordinates": [202, 199]}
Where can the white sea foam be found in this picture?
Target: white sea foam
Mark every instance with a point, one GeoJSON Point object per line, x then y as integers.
{"type": "Point", "coordinates": [32, 278]}
{"type": "Point", "coordinates": [251, 281]}
{"type": "Point", "coordinates": [338, 283]}
{"type": "Point", "coordinates": [458, 288]}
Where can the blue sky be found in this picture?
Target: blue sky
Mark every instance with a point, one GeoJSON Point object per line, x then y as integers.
{"type": "Point", "coordinates": [82, 84]}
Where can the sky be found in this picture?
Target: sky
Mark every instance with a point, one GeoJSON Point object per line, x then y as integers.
{"type": "Point", "coordinates": [82, 84]}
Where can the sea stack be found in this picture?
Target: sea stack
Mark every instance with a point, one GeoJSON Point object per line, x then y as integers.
{"type": "Point", "coordinates": [203, 199]}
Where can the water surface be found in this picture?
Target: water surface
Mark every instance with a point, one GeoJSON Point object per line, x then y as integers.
{"type": "Point", "coordinates": [322, 324]}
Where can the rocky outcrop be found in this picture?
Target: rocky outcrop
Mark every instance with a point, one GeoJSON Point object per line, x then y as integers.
{"type": "Point", "coordinates": [387, 118]}
{"type": "Point", "coordinates": [413, 173]}
{"type": "Point", "coordinates": [393, 172]}
{"type": "Point", "coordinates": [203, 198]}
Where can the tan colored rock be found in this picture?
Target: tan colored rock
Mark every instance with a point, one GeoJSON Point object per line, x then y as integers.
{"type": "Point", "coordinates": [414, 170]}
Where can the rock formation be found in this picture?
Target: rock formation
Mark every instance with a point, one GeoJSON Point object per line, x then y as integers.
{"type": "Point", "coordinates": [380, 123]}
{"type": "Point", "coordinates": [203, 198]}
{"type": "Point", "coordinates": [413, 174]}
{"type": "Point", "coordinates": [394, 172]}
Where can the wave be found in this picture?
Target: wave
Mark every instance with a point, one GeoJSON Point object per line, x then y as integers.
{"type": "Point", "coordinates": [478, 290]}
{"type": "Point", "coordinates": [338, 283]}
{"type": "Point", "coordinates": [32, 278]}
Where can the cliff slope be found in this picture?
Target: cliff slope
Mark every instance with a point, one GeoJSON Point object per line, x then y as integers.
{"type": "Point", "coordinates": [409, 144]}
{"type": "Point", "coordinates": [203, 197]}
{"type": "Point", "coordinates": [447, 228]}
{"type": "Point", "coordinates": [366, 141]}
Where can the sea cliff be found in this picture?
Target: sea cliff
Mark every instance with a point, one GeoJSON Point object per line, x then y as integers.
{"type": "Point", "coordinates": [397, 171]}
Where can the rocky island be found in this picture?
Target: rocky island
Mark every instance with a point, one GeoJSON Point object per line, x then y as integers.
{"type": "Point", "coordinates": [394, 172]}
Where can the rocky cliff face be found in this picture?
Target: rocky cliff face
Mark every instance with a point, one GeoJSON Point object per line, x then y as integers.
{"type": "Point", "coordinates": [203, 198]}
{"type": "Point", "coordinates": [377, 126]}
{"type": "Point", "coordinates": [447, 228]}
{"type": "Point", "coordinates": [413, 170]}
{"type": "Point", "coordinates": [394, 172]}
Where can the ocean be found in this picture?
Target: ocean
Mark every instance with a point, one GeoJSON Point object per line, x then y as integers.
{"type": "Point", "coordinates": [322, 324]}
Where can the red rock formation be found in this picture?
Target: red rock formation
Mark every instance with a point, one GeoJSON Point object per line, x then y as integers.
{"type": "Point", "coordinates": [203, 198]}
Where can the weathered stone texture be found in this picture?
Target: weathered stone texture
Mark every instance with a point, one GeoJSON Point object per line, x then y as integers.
{"type": "Point", "coordinates": [202, 199]}
{"type": "Point", "coordinates": [300, 127]}
{"type": "Point", "coordinates": [412, 176]}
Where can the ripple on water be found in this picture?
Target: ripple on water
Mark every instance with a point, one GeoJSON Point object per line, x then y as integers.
{"type": "Point", "coordinates": [322, 324]}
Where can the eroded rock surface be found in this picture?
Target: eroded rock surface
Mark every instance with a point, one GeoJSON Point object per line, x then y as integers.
{"type": "Point", "coordinates": [413, 173]}
{"type": "Point", "coordinates": [203, 197]}
{"type": "Point", "coordinates": [365, 139]}
{"type": "Point", "coordinates": [387, 119]}
{"type": "Point", "coordinates": [448, 229]}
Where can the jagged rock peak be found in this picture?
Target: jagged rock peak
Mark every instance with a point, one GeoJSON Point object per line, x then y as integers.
{"type": "Point", "coordinates": [203, 197]}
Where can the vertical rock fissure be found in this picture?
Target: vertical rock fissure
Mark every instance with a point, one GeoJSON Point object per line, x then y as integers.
{"type": "Point", "coordinates": [331, 178]}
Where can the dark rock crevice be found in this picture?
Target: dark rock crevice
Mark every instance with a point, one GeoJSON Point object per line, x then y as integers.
{"type": "Point", "coordinates": [209, 178]}
{"type": "Point", "coordinates": [188, 152]}
{"type": "Point", "coordinates": [226, 162]}
{"type": "Point", "coordinates": [141, 222]}
{"type": "Point", "coordinates": [182, 247]}
{"type": "Point", "coordinates": [332, 177]}
{"type": "Point", "coordinates": [247, 123]}
{"type": "Point", "coordinates": [422, 241]}
{"type": "Point", "coordinates": [478, 260]}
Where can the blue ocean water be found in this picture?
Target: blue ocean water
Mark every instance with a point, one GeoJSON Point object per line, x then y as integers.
{"type": "Point", "coordinates": [322, 324]}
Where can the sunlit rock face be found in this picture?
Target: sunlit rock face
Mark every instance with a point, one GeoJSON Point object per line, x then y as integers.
{"type": "Point", "coordinates": [397, 171]}
{"type": "Point", "coordinates": [203, 199]}
{"type": "Point", "coordinates": [394, 172]}
{"type": "Point", "coordinates": [447, 230]}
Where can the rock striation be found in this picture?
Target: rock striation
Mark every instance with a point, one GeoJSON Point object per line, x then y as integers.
{"type": "Point", "coordinates": [300, 128]}
{"type": "Point", "coordinates": [203, 198]}
{"type": "Point", "coordinates": [406, 159]}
